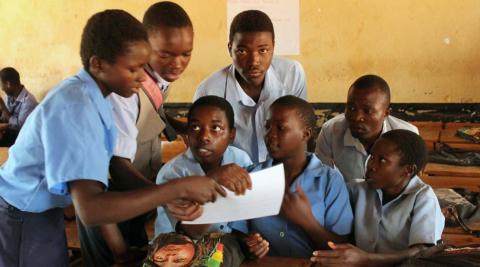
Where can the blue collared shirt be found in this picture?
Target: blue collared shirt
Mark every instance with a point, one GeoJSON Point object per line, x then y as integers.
{"type": "Point", "coordinates": [186, 165]}
{"type": "Point", "coordinates": [20, 108]}
{"type": "Point", "coordinates": [414, 217]}
{"type": "Point", "coordinates": [329, 200]}
{"type": "Point", "coordinates": [283, 77]}
{"type": "Point", "coordinates": [69, 136]}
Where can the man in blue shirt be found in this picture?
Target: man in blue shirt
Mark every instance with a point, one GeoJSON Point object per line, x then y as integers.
{"type": "Point", "coordinates": [15, 109]}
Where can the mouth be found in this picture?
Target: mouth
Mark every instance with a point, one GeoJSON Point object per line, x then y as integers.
{"type": "Point", "coordinates": [272, 148]}
{"type": "Point", "coordinates": [254, 73]}
{"type": "Point", "coordinates": [204, 152]}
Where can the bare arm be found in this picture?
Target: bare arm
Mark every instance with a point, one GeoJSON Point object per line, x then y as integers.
{"type": "Point", "coordinates": [125, 176]}
{"type": "Point", "coordinates": [95, 206]}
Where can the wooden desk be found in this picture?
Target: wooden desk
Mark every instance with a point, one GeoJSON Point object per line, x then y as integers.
{"type": "Point", "coordinates": [430, 132]}
{"type": "Point", "coordinates": [449, 136]}
{"type": "Point", "coordinates": [278, 262]}
{"type": "Point", "coordinates": [451, 176]}
{"type": "Point", "coordinates": [436, 169]}
{"type": "Point", "coordinates": [172, 149]}
{"type": "Point", "coordinates": [3, 154]}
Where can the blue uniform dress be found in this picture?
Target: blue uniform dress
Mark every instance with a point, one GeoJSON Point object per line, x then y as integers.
{"type": "Point", "coordinates": [69, 136]}
{"type": "Point", "coordinates": [186, 165]}
{"type": "Point", "coordinates": [328, 196]}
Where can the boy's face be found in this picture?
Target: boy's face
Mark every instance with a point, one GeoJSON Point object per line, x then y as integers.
{"type": "Point", "coordinates": [209, 135]}
{"type": "Point", "coordinates": [174, 255]}
{"type": "Point", "coordinates": [171, 51]}
{"type": "Point", "coordinates": [365, 112]}
{"type": "Point", "coordinates": [126, 74]}
{"type": "Point", "coordinates": [7, 88]}
{"type": "Point", "coordinates": [383, 167]}
{"type": "Point", "coordinates": [286, 134]}
{"type": "Point", "coordinates": [252, 54]}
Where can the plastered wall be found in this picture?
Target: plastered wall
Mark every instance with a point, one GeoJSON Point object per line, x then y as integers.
{"type": "Point", "coordinates": [429, 50]}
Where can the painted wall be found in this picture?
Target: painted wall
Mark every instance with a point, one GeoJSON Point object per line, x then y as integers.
{"type": "Point", "coordinates": [428, 51]}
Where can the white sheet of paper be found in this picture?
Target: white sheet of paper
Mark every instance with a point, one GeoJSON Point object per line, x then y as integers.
{"type": "Point", "coordinates": [285, 16]}
{"type": "Point", "coordinates": [265, 199]}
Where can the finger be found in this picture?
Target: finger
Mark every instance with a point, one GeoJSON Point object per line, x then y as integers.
{"type": "Point", "coordinates": [192, 216]}
{"type": "Point", "coordinates": [331, 245]}
{"type": "Point", "coordinates": [264, 253]}
{"type": "Point", "coordinates": [328, 253]}
{"type": "Point", "coordinates": [219, 189]}
{"type": "Point", "coordinates": [261, 251]}
{"type": "Point", "coordinates": [341, 246]}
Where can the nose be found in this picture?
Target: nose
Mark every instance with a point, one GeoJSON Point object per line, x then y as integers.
{"type": "Point", "coordinates": [371, 165]}
{"type": "Point", "coordinates": [358, 115]}
{"type": "Point", "coordinates": [176, 62]}
{"type": "Point", "coordinates": [204, 135]}
{"type": "Point", "coordinates": [254, 58]}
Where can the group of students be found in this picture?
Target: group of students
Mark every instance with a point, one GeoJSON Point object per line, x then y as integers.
{"type": "Point", "coordinates": [247, 116]}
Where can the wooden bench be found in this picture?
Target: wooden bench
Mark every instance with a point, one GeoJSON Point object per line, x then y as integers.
{"type": "Point", "coordinates": [449, 136]}
{"type": "Point", "coordinates": [172, 149]}
{"type": "Point", "coordinates": [450, 176]}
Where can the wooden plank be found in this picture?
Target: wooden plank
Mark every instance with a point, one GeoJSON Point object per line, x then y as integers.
{"type": "Point", "coordinates": [72, 235]}
{"type": "Point", "coordinates": [470, 183]}
{"type": "Point", "coordinates": [449, 136]}
{"type": "Point", "coordinates": [452, 170]}
{"type": "Point", "coordinates": [278, 262]}
{"type": "Point", "coordinates": [460, 239]}
{"type": "Point", "coordinates": [172, 149]}
{"type": "Point", "coordinates": [3, 154]}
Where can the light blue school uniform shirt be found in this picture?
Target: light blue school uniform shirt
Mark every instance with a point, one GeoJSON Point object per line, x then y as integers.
{"type": "Point", "coordinates": [186, 165]}
{"type": "Point", "coordinates": [69, 136]}
{"type": "Point", "coordinates": [283, 77]}
{"type": "Point", "coordinates": [20, 108]}
{"type": "Point", "coordinates": [414, 217]}
{"type": "Point", "coordinates": [329, 200]}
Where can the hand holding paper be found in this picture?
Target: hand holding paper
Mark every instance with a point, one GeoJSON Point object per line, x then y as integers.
{"type": "Point", "coordinates": [265, 199]}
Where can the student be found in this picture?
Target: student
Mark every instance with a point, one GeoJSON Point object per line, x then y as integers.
{"type": "Point", "coordinates": [63, 151]}
{"type": "Point", "coordinates": [316, 206]}
{"type": "Point", "coordinates": [254, 80]}
{"type": "Point", "coordinates": [396, 214]}
{"type": "Point", "coordinates": [210, 132]}
{"type": "Point", "coordinates": [346, 140]}
{"type": "Point", "coordinates": [137, 155]}
{"type": "Point", "coordinates": [15, 109]}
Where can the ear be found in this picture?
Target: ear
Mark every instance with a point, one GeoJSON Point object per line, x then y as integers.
{"type": "Point", "coordinates": [233, 133]}
{"type": "Point", "coordinates": [96, 65]}
{"type": "Point", "coordinates": [410, 169]}
{"type": "Point", "coordinates": [387, 111]}
{"type": "Point", "coordinates": [307, 133]}
{"type": "Point", "coordinates": [229, 46]}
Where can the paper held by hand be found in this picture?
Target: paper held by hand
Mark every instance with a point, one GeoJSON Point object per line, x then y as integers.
{"type": "Point", "coordinates": [265, 199]}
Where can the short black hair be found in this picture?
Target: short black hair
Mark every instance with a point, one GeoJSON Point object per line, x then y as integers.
{"type": "Point", "coordinates": [10, 74]}
{"type": "Point", "coordinates": [165, 14]}
{"type": "Point", "coordinates": [214, 101]}
{"type": "Point", "coordinates": [251, 21]}
{"type": "Point", "coordinates": [107, 35]}
{"type": "Point", "coordinates": [372, 81]}
{"type": "Point", "coordinates": [411, 146]}
{"type": "Point", "coordinates": [304, 109]}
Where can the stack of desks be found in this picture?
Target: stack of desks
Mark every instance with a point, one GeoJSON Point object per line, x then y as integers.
{"type": "Point", "coordinates": [449, 137]}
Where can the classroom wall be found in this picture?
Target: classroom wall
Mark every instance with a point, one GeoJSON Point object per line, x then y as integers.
{"type": "Point", "coordinates": [428, 51]}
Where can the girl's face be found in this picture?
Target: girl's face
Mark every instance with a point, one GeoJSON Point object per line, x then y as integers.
{"type": "Point", "coordinates": [286, 134]}
{"type": "Point", "coordinates": [174, 255]}
{"type": "Point", "coordinates": [125, 76]}
{"type": "Point", "coordinates": [209, 135]}
{"type": "Point", "coordinates": [384, 170]}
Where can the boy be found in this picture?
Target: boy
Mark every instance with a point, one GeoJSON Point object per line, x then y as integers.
{"type": "Point", "coordinates": [211, 130]}
{"type": "Point", "coordinates": [396, 214]}
{"type": "Point", "coordinates": [316, 205]}
{"type": "Point", "coordinates": [63, 151]}
{"type": "Point", "coordinates": [137, 155]}
{"type": "Point", "coordinates": [16, 107]}
{"type": "Point", "coordinates": [254, 80]}
{"type": "Point", "coordinates": [345, 141]}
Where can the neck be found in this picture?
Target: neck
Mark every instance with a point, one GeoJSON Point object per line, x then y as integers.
{"type": "Point", "coordinates": [103, 87]}
{"type": "Point", "coordinates": [368, 142]}
{"type": "Point", "coordinates": [17, 91]}
{"type": "Point", "coordinates": [209, 167]}
{"type": "Point", "coordinates": [252, 90]}
{"type": "Point", "coordinates": [391, 193]}
{"type": "Point", "coordinates": [294, 166]}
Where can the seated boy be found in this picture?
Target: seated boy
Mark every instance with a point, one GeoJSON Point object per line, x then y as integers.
{"type": "Point", "coordinates": [346, 140]}
{"type": "Point", "coordinates": [316, 206]}
{"type": "Point", "coordinates": [210, 132]}
{"type": "Point", "coordinates": [396, 214]}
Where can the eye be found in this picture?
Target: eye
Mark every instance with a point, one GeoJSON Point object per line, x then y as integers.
{"type": "Point", "coordinates": [165, 55]}
{"type": "Point", "coordinates": [263, 50]}
{"type": "Point", "coordinates": [383, 160]}
{"type": "Point", "coordinates": [189, 54]}
{"type": "Point", "coordinates": [195, 128]}
{"type": "Point", "coordinates": [241, 51]}
{"type": "Point", "coordinates": [217, 128]}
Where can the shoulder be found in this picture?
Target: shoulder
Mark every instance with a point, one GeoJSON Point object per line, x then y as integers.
{"type": "Point", "coordinates": [396, 123]}
{"type": "Point", "coordinates": [336, 123]}
{"type": "Point", "coordinates": [215, 83]}
{"type": "Point", "coordinates": [317, 169]}
{"type": "Point", "coordinates": [174, 168]}
{"type": "Point", "coordinates": [29, 97]}
{"type": "Point", "coordinates": [238, 156]}
{"type": "Point", "coordinates": [284, 66]}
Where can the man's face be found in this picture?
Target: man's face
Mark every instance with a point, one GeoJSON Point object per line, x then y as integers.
{"type": "Point", "coordinates": [174, 255]}
{"type": "Point", "coordinates": [252, 54]}
{"type": "Point", "coordinates": [171, 51]}
{"type": "Point", "coordinates": [365, 112]}
{"type": "Point", "coordinates": [7, 88]}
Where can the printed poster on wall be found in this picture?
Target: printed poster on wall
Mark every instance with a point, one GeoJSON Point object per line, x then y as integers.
{"type": "Point", "coordinates": [285, 15]}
